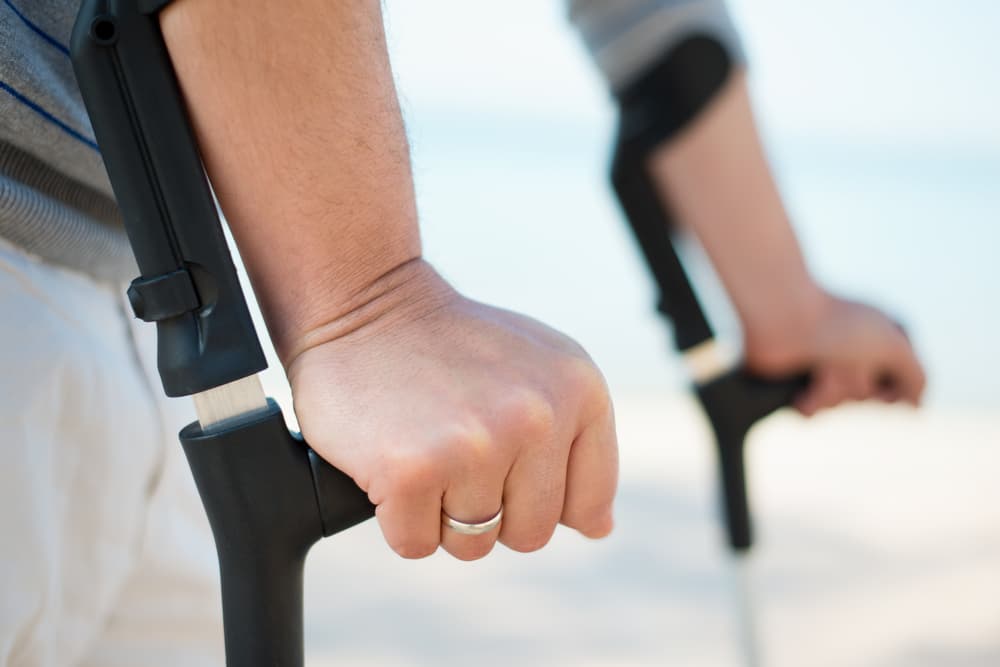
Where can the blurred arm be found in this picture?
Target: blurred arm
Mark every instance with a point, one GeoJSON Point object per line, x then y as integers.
{"type": "Point", "coordinates": [715, 179]}
{"type": "Point", "coordinates": [719, 185]}
{"type": "Point", "coordinates": [718, 182]}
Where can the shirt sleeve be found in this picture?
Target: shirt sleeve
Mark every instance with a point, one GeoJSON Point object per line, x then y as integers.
{"type": "Point", "coordinates": [627, 37]}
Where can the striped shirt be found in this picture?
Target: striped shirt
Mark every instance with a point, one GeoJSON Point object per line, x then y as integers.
{"type": "Point", "coordinates": [627, 37]}
{"type": "Point", "coordinates": [55, 198]}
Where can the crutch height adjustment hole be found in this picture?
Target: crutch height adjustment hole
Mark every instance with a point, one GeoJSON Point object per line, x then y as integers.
{"type": "Point", "coordinates": [104, 30]}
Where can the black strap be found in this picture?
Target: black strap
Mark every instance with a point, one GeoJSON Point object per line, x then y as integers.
{"type": "Point", "coordinates": [163, 297]}
{"type": "Point", "coordinates": [655, 109]}
{"type": "Point", "coordinates": [674, 90]}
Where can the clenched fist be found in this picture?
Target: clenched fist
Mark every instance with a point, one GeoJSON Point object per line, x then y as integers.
{"type": "Point", "coordinates": [435, 403]}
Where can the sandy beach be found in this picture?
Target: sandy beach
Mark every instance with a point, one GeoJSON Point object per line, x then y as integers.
{"type": "Point", "coordinates": [879, 546]}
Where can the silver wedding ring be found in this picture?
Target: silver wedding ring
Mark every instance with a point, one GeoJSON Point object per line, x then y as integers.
{"type": "Point", "coordinates": [472, 528]}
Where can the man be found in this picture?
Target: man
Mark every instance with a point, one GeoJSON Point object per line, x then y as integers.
{"type": "Point", "coordinates": [435, 404]}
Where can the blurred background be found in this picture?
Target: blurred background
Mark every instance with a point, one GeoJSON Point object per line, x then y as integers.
{"type": "Point", "coordinates": [879, 528]}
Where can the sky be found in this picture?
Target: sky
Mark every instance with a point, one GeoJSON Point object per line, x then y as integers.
{"type": "Point", "coordinates": [901, 71]}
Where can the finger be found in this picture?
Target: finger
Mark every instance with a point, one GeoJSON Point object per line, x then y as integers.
{"type": "Point", "coordinates": [407, 496]}
{"type": "Point", "coordinates": [592, 479]}
{"type": "Point", "coordinates": [888, 391]}
{"type": "Point", "coordinates": [411, 524]}
{"type": "Point", "coordinates": [827, 390]}
{"type": "Point", "coordinates": [472, 499]}
{"type": "Point", "coordinates": [909, 379]}
{"type": "Point", "coordinates": [860, 384]}
{"type": "Point", "coordinates": [533, 497]}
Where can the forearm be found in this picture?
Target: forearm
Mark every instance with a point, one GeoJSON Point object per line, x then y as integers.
{"type": "Point", "coordinates": [676, 66]}
{"type": "Point", "coordinates": [299, 126]}
{"type": "Point", "coordinates": [717, 181]}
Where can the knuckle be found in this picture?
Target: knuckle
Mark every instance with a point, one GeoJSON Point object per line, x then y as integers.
{"type": "Point", "coordinates": [578, 368]}
{"type": "Point", "coordinates": [574, 348]}
{"type": "Point", "coordinates": [585, 378]}
{"type": "Point", "coordinates": [470, 441]}
{"type": "Point", "coordinates": [408, 470]}
{"type": "Point", "coordinates": [532, 412]}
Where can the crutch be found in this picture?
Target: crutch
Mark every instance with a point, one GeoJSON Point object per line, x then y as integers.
{"type": "Point", "coordinates": [268, 496]}
{"type": "Point", "coordinates": [733, 398]}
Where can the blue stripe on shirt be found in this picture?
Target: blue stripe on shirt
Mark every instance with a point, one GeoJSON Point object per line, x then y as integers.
{"type": "Point", "coordinates": [52, 41]}
{"type": "Point", "coordinates": [48, 116]}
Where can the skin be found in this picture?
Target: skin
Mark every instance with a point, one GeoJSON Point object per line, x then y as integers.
{"type": "Point", "coordinates": [716, 177]}
{"type": "Point", "coordinates": [427, 399]}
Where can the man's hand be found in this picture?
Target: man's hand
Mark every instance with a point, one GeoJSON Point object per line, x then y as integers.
{"type": "Point", "coordinates": [855, 353]}
{"type": "Point", "coordinates": [434, 402]}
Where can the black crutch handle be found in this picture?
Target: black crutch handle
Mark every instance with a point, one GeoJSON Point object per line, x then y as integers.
{"type": "Point", "coordinates": [269, 498]}
{"type": "Point", "coordinates": [734, 402]}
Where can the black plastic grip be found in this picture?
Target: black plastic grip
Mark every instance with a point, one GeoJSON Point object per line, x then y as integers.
{"type": "Point", "coordinates": [733, 403]}
{"type": "Point", "coordinates": [137, 111]}
{"type": "Point", "coordinates": [269, 498]}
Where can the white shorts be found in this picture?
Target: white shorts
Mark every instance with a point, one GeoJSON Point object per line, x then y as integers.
{"type": "Point", "coordinates": [106, 558]}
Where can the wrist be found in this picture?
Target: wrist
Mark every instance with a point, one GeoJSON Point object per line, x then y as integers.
{"type": "Point", "coordinates": [303, 282]}
{"type": "Point", "coordinates": [781, 337]}
{"type": "Point", "coordinates": [402, 293]}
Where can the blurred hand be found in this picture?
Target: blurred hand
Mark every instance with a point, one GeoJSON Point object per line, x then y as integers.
{"type": "Point", "coordinates": [718, 184]}
{"type": "Point", "coordinates": [855, 352]}
{"type": "Point", "coordinates": [432, 402]}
